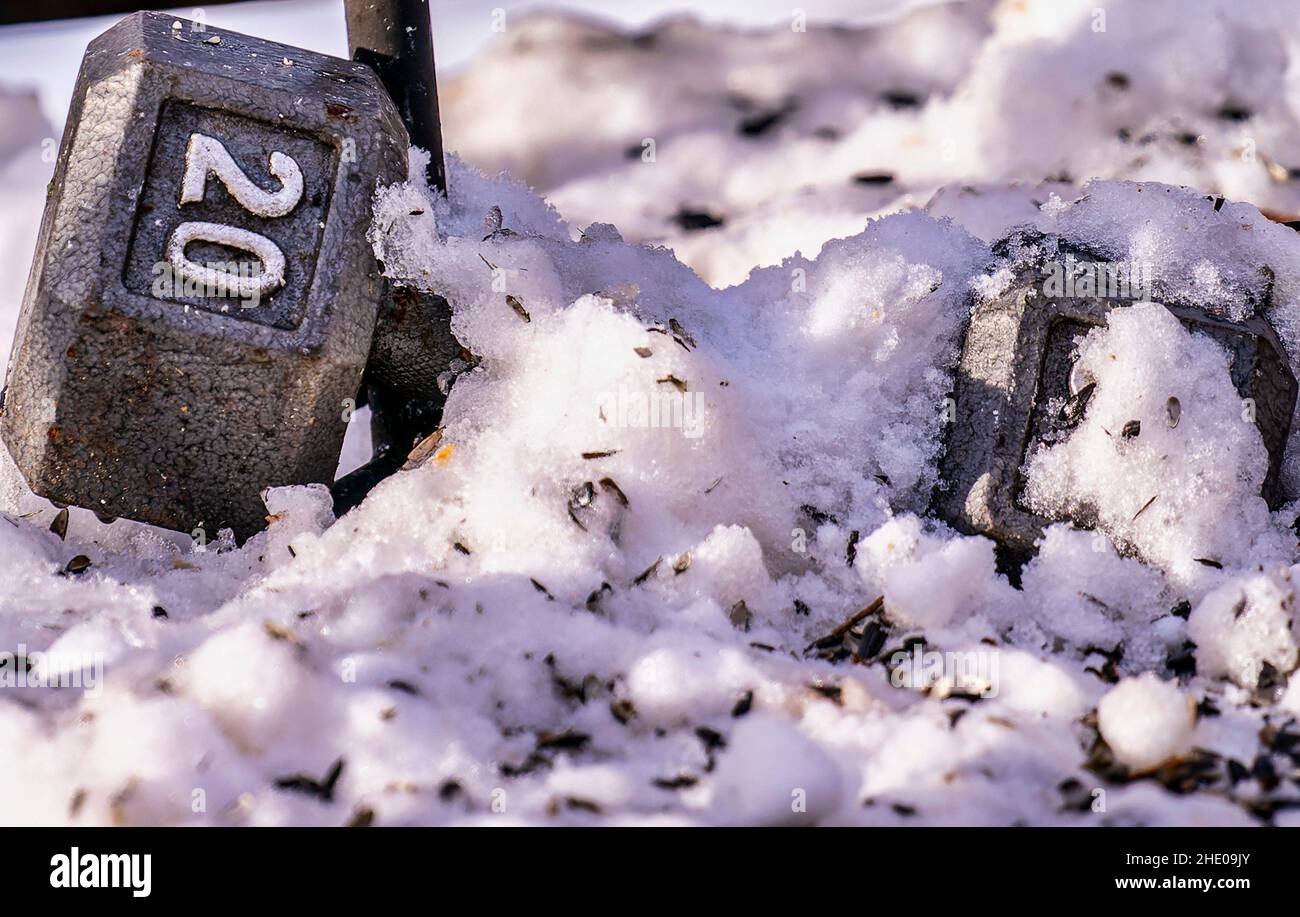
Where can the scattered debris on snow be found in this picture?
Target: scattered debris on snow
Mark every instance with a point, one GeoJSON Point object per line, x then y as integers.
{"type": "Point", "coordinates": [671, 560]}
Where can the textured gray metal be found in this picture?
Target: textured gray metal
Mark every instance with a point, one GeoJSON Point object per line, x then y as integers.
{"type": "Point", "coordinates": [411, 369]}
{"type": "Point", "coordinates": [1013, 377]}
{"type": "Point", "coordinates": [151, 402]}
{"type": "Point", "coordinates": [413, 343]}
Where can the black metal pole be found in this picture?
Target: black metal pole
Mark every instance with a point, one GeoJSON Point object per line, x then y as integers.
{"type": "Point", "coordinates": [395, 38]}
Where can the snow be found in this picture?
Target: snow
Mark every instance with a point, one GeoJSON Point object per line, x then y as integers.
{"type": "Point", "coordinates": [1243, 625]}
{"type": "Point", "coordinates": [774, 775]}
{"type": "Point", "coordinates": [926, 580]}
{"type": "Point", "coordinates": [1146, 721]}
{"type": "Point", "coordinates": [686, 476]}
{"type": "Point", "coordinates": [1166, 456]}
{"type": "Point", "coordinates": [971, 95]}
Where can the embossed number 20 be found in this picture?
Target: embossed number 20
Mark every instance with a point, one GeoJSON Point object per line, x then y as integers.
{"type": "Point", "coordinates": [206, 156]}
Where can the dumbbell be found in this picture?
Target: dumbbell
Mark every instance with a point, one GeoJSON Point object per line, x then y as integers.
{"type": "Point", "coordinates": [203, 301]}
{"type": "Point", "coordinates": [1016, 362]}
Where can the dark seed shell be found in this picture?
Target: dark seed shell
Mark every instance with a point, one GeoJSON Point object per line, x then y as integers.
{"type": "Point", "coordinates": [515, 304]}
{"type": "Point", "coordinates": [60, 524]}
{"type": "Point", "coordinates": [612, 487]}
{"type": "Point", "coordinates": [1173, 411]}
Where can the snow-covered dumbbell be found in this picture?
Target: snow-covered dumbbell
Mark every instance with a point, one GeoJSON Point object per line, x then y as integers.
{"type": "Point", "coordinates": [1017, 388]}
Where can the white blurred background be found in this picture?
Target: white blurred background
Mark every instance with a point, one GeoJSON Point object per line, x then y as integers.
{"type": "Point", "coordinates": [44, 56]}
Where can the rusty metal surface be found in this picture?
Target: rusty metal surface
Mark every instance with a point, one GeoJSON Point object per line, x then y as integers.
{"type": "Point", "coordinates": [162, 408]}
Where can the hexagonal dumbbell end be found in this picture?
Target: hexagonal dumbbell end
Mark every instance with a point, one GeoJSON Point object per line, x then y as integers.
{"type": "Point", "coordinates": [1014, 373]}
{"type": "Point", "coordinates": [203, 296]}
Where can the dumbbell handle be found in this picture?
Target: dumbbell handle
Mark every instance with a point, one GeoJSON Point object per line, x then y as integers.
{"type": "Point", "coordinates": [413, 341]}
{"type": "Point", "coordinates": [395, 39]}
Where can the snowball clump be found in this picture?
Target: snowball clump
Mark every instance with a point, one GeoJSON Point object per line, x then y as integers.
{"type": "Point", "coordinates": [1244, 625]}
{"type": "Point", "coordinates": [926, 579]}
{"type": "Point", "coordinates": [1146, 721]}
